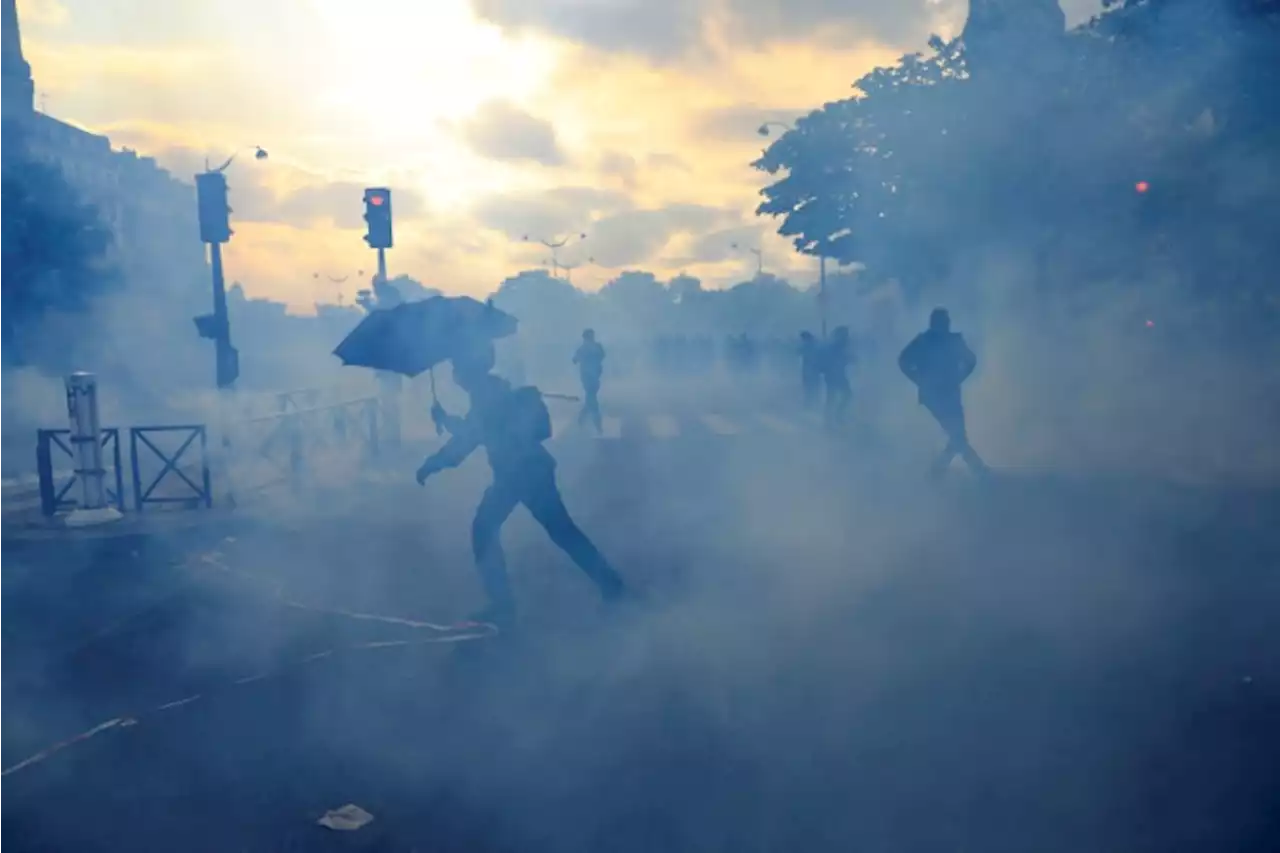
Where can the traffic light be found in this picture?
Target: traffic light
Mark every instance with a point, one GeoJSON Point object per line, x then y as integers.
{"type": "Point", "coordinates": [211, 194]}
{"type": "Point", "coordinates": [377, 213]}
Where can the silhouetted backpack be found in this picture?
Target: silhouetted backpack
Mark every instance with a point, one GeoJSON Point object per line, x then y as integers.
{"type": "Point", "coordinates": [529, 418]}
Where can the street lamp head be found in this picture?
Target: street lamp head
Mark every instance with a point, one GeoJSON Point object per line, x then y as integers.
{"type": "Point", "coordinates": [763, 130]}
{"type": "Point", "coordinates": [582, 236]}
{"type": "Point", "coordinates": [259, 153]}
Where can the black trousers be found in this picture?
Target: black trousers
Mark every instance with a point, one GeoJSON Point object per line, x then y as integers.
{"type": "Point", "coordinates": [948, 411]}
{"type": "Point", "coordinates": [811, 383]}
{"type": "Point", "coordinates": [538, 491]}
{"type": "Point", "coordinates": [839, 396]}
{"type": "Point", "coordinates": [591, 404]}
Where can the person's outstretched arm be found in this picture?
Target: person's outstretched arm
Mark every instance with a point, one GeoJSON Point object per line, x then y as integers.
{"type": "Point", "coordinates": [455, 451]}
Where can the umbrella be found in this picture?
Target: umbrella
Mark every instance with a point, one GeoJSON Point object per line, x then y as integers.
{"type": "Point", "coordinates": [415, 336]}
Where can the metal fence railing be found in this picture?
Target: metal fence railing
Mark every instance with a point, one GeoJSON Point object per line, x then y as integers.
{"type": "Point", "coordinates": [55, 495]}
{"type": "Point", "coordinates": [191, 493]}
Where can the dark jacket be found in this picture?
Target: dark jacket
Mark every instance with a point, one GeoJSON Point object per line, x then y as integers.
{"type": "Point", "coordinates": [938, 363]}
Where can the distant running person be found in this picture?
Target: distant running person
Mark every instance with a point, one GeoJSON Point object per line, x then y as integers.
{"type": "Point", "coordinates": [590, 361]}
{"type": "Point", "coordinates": [837, 355]}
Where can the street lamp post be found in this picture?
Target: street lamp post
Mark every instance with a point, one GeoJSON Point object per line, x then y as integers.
{"type": "Point", "coordinates": [763, 130]}
{"type": "Point", "coordinates": [759, 253]}
{"type": "Point", "coordinates": [555, 246]}
{"type": "Point", "coordinates": [569, 268]}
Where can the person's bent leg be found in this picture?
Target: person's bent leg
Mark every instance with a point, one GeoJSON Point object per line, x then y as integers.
{"type": "Point", "coordinates": [547, 507]}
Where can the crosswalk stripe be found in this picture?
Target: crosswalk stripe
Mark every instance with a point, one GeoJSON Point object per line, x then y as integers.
{"type": "Point", "coordinates": [663, 426]}
{"type": "Point", "coordinates": [560, 427]}
{"type": "Point", "coordinates": [777, 424]}
{"type": "Point", "coordinates": [612, 427]}
{"type": "Point", "coordinates": [719, 424]}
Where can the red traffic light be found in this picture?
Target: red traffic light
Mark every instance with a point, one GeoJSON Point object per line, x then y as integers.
{"type": "Point", "coordinates": [1142, 186]}
{"type": "Point", "coordinates": [377, 200]}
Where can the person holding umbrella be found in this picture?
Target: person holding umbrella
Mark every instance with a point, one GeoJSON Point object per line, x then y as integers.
{"type": "Point", "coordinates": [510, 423]}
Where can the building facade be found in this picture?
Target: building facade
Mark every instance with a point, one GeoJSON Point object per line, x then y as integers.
{"type": "Point", "coordinates": [151, 214]}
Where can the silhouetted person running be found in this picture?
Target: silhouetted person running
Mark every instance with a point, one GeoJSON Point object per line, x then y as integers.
{"type": "Point", "coordinates": [810, 369]}
{"type": "Point", "coordinates": [837, 355]}
{"type": "Point", "coordinates": [938, 361]}
{"type": "Point", "coordinates": [590, 361]}
{"type": "Point", "coordinates": [511, 425]}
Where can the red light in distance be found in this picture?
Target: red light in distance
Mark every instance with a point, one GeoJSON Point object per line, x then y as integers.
{"type": "Point", "coordinates": [1142, 186]}
{"type": "Point", "coordinates": [377, 200]}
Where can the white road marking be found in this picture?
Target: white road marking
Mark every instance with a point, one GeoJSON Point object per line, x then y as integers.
{"type": "Point", "coordinates": [663, 426]}
{"type": "Point", "coordinates": [178, 703]}
{"type": "Point", "coordinates": [612, 428]}
{"type": "Point", "coordinates": [560, 427]}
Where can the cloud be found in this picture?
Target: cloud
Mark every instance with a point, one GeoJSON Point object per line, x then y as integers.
{"type": "Point", "coordinates": [502, 131]}
{"type": "Point", "coordinates": [548, 214]}
{"type": "Point", "coordinates": [718, 246]}
{"type": "Point", "coordinates": [635, 236]}
{"type": "Point", "coordinates": [41, 13]}
{"type": "Point", "coordinates": [664, 30]}
{"type": "Point", "coordinates": [666, 160]}
{"type": "Point", "coordinates": [267, 192]}
{"type": "Point", "coordinates": [742, 121]}
{"type": "Point", "coordinates": [616, 164]}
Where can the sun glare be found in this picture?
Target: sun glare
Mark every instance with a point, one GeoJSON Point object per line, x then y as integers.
{"type": "Point", "coordinates": [392, 75]}
{"type": "Point", "coordinates": [408, 61]}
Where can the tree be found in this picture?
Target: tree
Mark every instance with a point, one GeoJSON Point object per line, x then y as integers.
{"type": "Point", "coordinates": [636, 300]}
{"type": "Point", "coordinates": [543, 304]}
{"type": "Point", "coordinates": [862, 174]}
{"type": "Point", "coordinates": [927, 166]}
{"type": "Point", "coordinates": [54, 250]}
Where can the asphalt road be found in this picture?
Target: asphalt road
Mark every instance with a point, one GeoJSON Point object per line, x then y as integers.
{"type": "Point", "coordinates": [830, 654]}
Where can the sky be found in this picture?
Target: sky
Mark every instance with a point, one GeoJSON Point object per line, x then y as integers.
{"type": "Point", "coordinates": [631, 121]}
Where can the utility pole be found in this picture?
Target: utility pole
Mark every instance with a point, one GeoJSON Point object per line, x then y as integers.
{"type": "Point", "coordinates": [215, 229]}
{"type": "Point", "coordinates": [759, 253]}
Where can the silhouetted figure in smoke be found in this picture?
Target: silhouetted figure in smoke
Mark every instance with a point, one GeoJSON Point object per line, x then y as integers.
{"type": "Point", "coordinates": [511, 425]}
{"type": "Point", "coordinates": [938, 361]}
{"type": "Point", "coordinates": [590, 361]}
{"type": "Point", "coordinates": [810, 369]}
{"type": "Point", "coordinates": [837, 355]}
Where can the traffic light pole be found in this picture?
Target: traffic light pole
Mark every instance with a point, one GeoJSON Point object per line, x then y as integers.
{"type": "Point", "coordinates": [223, 350]}
{"type": "Point", "coordinates": [382, 266]}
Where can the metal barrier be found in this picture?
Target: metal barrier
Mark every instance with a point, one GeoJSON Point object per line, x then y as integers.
{"type": "Point", "coordinates": [295, 436]}
{"type": "Point", "coordinates": [53, 496]}
{"type": "Point", "coordinates": [200, 493]}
